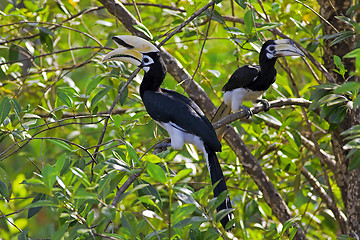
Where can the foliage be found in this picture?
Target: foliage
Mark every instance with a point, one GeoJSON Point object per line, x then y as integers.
{"type": "Point", "coordinates": [59, 175]}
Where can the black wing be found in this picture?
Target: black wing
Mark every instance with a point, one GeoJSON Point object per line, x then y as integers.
{"type": "Point", "coordinates": [170, 106]}
{"type": "Point", "coordinates": [242, 77]}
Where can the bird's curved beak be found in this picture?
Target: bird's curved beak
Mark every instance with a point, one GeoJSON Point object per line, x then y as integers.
{"type": "Point", "coordinates": [286, 47]}
{"type": "Point", "coordinates": [130, 49]}
{"type": "Point", "coordinates": [124, 55]}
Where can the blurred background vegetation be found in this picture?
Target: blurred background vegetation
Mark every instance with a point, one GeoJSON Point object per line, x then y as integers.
{"type": "Point", "coordinates": [59, 175]}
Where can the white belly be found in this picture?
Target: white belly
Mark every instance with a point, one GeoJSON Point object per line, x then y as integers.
{"type": "Point", "coordinates": [179, 137]}
{"type": "Point", "coordinates": [235, 98]}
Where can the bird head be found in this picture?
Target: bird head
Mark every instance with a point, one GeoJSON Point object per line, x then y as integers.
{"type": "Point", "coordinates": [280, 48]}
{"type": "Point", "coordinates": [133, 50]}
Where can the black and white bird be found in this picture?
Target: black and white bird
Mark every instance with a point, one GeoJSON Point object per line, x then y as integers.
{"type": "Point", "coordinates": [249, 82]}
{"type": "Point", "coordinates": [177, 114]}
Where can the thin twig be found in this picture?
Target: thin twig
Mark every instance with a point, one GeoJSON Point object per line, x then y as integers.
{"type": "Point", "coordinates": [11, 223]}
{"type": "Point", "coordinates": [186, 22]}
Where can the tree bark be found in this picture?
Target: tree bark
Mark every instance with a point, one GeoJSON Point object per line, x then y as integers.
{"type": "Point", "coordinates": [349, 182]}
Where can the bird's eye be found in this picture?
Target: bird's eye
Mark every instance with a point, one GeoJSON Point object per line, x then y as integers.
{"type": "Point", "coordinates": [271, 48]}
{"type": "Point", "coordinates": [147, 60]}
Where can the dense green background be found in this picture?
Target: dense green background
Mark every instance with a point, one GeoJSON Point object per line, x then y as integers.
{"type": "Point", "coordinates": [53, 108]}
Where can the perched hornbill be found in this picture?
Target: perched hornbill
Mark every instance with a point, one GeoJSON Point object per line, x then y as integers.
{"type": "Point", "coordinates": [179, 115]}
{"type": "Point", "coordinates": [251, 81]}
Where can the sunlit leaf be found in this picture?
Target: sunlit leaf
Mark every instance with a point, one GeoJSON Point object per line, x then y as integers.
{"type": "Point", "coordinates": [144, 30]}
{"type": "Point", "coordinates": [156, 172]}
{"type": "Point", "coordinates": [60, 143]}
{"type": "Point", "coordinates": [5, 108]}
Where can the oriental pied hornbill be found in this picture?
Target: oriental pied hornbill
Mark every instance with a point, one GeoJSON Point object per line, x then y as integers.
{"type": "Point", "coordinates": [250, 82]}
{"type": "Point", "coordinates": [179, 115]}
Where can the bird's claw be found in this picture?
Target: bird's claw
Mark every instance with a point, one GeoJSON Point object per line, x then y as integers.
{"type": "Point", "coordinates": [265, 103]}
{"type": "Point", "coordinates": [247, 110]}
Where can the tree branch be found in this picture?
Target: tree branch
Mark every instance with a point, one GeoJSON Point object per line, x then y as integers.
{"type": "Point", "coordinates": [257, 109]}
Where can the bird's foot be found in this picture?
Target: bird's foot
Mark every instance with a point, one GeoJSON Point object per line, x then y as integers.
{"type": "Point", "coordinates": [247, 110]}
{"type": "Point", "coordinates": [265, 103]}
{"type": "Point", "coordinates": [161, 147]}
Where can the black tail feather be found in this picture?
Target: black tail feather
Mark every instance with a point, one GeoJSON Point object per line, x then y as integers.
{"type": "Point", "coordinates": [217, 175]}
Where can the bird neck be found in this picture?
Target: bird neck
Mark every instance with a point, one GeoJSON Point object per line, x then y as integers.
{"type": "Point", "coordinates": [155, 76]}
{"type": "Point", "coordinates": [268, 71]}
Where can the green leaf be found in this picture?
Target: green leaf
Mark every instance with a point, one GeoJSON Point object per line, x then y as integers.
{"type": "Point", "coordinates": [99, 96]}
{"type": "Point", "coordinates": [152, 158]}
{"type": "Point", "coordinates": [128, 221]}
{"type": "Point", "coordinates": [124, 94]}
{"type": "Point", "coordinates": [338, 115]}
{"type": "Point", "coordinates": [216, 16]}
{"type": "Point", "coordinates": [90, 217]}
{"type": "Point", "coordinates": [353, 144]}
{"type": "Point", "coordinates": [23, 235]}
{"type": "Point", "coordinates": [182, 211]}
{"type": "Point", "coordinates": [17, 107]}
{"type": "Point", "coordinates": [117, 121]}
{"type": "Point", "coordinates": [342, 36]}
{"type": "Point", "coordinates": [60, 163]}
{"type": "Point", "coordinates": [144, 30]}
{"type": "Point", "coordinates": [289, 223]}
{"type": "Point", "coordinates": [81, 175]}
{"type": "Point", "coordinates": [292, 232]}
{"type": "Point", "coordinates": [269, 118]}
{"type": "Point", "coordinates": [355, 161]}
{"type": "Point", "coordinates": [92, 84]}
{"type": "Point", "coordinates": [104, 183]}
{"type": "Point", "coordinates": [115, 236]}
{"type": "Point", "coordinates": [13, 53]}
{"type": "Point", "coordinates": [47, 31]}
{"type": "Point", "coordinates": [353, 54]}
{"type": "Point", "coordinates": [60, 143]}
{"type": "Point", "coordinates": [146, 189]}
{"type": "Point", "coordinates": [349, 86]}
{"type": "Point", "coordinates": [131, 151]}
{"type": "Point", "coordinates": [60, 232]}
{"type": "Point", "coordinates": [64, 98]}
{"type": "Point", "coordinates": [34, 210]}
{"type": "Point", "coordinates": [156, 172]}
{"type": "Point", "coordinates": [4, 191]}
{"type": "Point", "coordinates": [248, 21]}
{"type": "Point", "coordinates": [45, 38]}
{"type": "Point", "coordinates": [357, 101]}
{"type": "Point", "coordinates": [353, 130]}
{"type": "Point", "coordinates": [42, 203]}
{"type": "Point", "coordinates": [180, 175]}
{"type": "Point", "coordinates": [339, 65]}
{"type": "Point", "coordinates": [5, 108]}
{"type": "Point", "coordinates": [348, 21]}
{"type": "Point", "coordinates": [234, 30]}
{"type": "Point", "coordinates": [117, 164]}
{"type": "Point", "coordinates": [148, 201]}
{"type": "Point", "coordinates": [241, 3]}
{"type": "Point", "coordinates": [268, 26]}
{"type": "Point", "coordinates": [82, 193]}
{"type": "Point", "coordinates": [220, 215]}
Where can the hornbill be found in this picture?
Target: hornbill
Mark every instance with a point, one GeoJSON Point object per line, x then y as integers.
{"type": "Point", "coordinates": [251, 81]}
{"type": "Point", "coordinates": [177, 114]}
